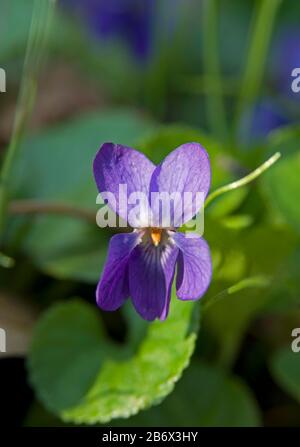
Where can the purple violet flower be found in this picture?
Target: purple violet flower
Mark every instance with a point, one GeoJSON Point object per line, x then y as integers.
{"type": "Point", "coordinates": [287, 58]}
{"type": "Point", "coordinates": [142, 264]}
{"type": "Point", "coordinates": [130, 20]}
{"type": "Point", "coordinates": [267, 117]}
{"type": "Point", "coordinates": [259, 121]}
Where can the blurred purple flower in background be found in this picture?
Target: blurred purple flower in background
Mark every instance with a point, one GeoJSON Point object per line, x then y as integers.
{"type": "Point", "coordinates": [287, 57]}
{"type": "Point", "coordinates": [258, 121]}
{"type": "Point", "coordinates": [266, 117]}
{"type": "Point", "coordinates": [130, 20]}
{"type": "Point", "coordinates": [142, 264]}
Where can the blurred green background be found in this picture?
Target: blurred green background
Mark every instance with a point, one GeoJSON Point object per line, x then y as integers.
{"type": "Point", "coordinates": [150, 74]}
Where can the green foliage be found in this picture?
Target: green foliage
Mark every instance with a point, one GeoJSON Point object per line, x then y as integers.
{"type": "Point", "coordinates": [285, 366]}
{"type": "Point", "coordinates": [13, 37]}
{"type": "Point", "coordinates": [66, 360]}
{"type": "Point", "coordinates": [282, 183]}
{"type": "Point", "coordinates": [216, 114]}
{"type": "Point", "coordinates": [204, 397]}
{"type": "Point", "coordinates": [80, 375]}
{"type": "Point", "coordinates": [260, 37]}
{"type": "Point", "coordinates": [255, 256]}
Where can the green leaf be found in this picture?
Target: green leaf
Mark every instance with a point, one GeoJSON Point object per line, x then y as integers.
{"type": "Point", "coordinates": [13, 37]}
{"type": "Point", "coordinates": [56, 166]}
{"type": "Point", "coordinates": [285, 367]}
{"type": "Point", "coordinates": [66, 248]}
{"type": "Point", "coordinates": [74, 378]}
{"type": "Point", "coordinates": [218, 400]}
{"type": "Point", "coordinates": [228, 319]}
{"type": "Point", "coordinates": [67, 339]}
{"type": "Point", "coordinates": [60, 158]}
{"type": "Point", "coordinates": [283, 183]}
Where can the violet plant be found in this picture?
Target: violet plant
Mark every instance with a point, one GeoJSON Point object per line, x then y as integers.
{"type": "Point", "coordinates": [76, 370]}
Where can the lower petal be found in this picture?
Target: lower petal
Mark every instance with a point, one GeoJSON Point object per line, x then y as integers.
{"type": "Point", "coordinates": [151, 273]}
{"type": "Point", "coordinates": [194, 267]}
{"type": "Point", "coordinates": [169, 265]}
{"type": "Point", "coordinates": [112, 289]}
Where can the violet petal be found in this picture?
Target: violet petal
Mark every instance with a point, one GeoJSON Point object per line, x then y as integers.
{"type": "Point", "coordinates": [186, 169]}
{"type": "Point", "coordinates": [151, 272]}
{"type": "Point", "coordinates": [194, 267]}
{"type": "Point", "coordinates": [112, 289]}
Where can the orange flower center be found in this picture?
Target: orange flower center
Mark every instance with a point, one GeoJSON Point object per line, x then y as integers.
{"type": "Point", "coordinates": [156, 235]}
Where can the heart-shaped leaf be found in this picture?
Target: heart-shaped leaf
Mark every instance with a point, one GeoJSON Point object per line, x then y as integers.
{"type": "Point", "coordinates": [78, 374]}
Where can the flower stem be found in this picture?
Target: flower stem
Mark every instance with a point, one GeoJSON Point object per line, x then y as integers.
{"type": "Point", "coordinates": [258, 281]}
{"type": "Point", "coordinates": [23, 207]}
{"type": "Point", "coordinates": [41, 17]}
{"type": "Point", "coordinates": [212, 79]}
{"type": "Point", "coordinates": [260, 32]}
{"type": "Point", "coordinates": [243, 181]}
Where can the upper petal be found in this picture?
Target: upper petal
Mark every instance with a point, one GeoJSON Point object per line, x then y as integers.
{"type": "Point", "coordinates": [112, 289]}
{"type": "Point", "coordinates": [151, 273]}
{"type": "Point", "coordinates": [186, 169]}
{"type": "Point", "coordinates": [194, 267]}
{"type": "Point", "coordinates": [116, 165]}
